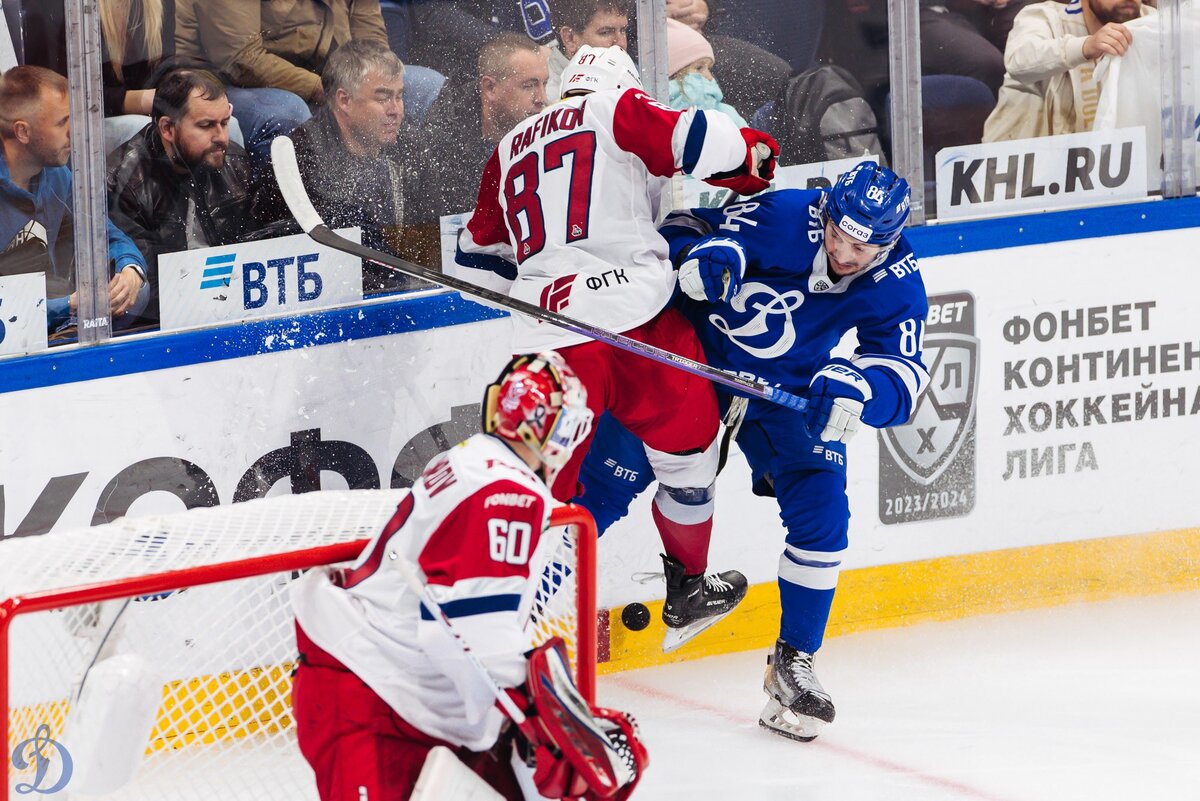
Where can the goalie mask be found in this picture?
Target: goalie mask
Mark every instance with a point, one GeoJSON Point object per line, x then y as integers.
{"type": "Point", "coordinates": [539, 402]}
{"type": "Point", "coordinates": [596, 69]}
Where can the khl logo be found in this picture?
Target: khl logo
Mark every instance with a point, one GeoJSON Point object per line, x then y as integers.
{"type": "Point", "coordinates": [41, 749]}
{"type": "Point", "coordinates": [307, 284]}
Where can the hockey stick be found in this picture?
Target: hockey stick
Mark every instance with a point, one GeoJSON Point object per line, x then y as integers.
{"type": "Point", "coordinates": [287, 173]}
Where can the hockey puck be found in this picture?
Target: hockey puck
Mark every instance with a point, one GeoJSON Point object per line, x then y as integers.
{"type": "Point", "coordinates": [635, 616]}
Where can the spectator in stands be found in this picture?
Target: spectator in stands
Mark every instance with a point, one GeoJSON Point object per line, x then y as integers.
{"type": "Point", "coordinates": [749, 75]}
{"type": "Point", "coordinates": [469, 119]}
{"type": "Point", "coordinates": [179, 183]}
{"type": "Point", "coordinates": [36, 220]}
{"type": "Point", "coordinates": [992, 19]}
{"type": "Point", "coordinates": [951, 44]}
{"type": "Point", "coordinates": [690, 65]}
{"type": "Point", "coordinates": [1049, 87]}
{"type": "Point", "coordinates": [789, 29]}
{"type": "Point", "coordinates": [597, 23]}
{"type": "Point", "coordinates": [447, 35]}
{"type": "Point", "coordinates": [692, 13]}
{"type": "Point", "coordinates": [39, 31]}
{"type": "Point", "coordinates": [352, 156]}
{"type": "Point", "coordinates": [138, 39]}
{"type": "Point", "coordinates": [421, 84]}
{"type": "Point", "coordinates": [283, 46]}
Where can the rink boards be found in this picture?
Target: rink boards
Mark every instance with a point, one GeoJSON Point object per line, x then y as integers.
{"type": "Point", "coordinates": [1052, 460]}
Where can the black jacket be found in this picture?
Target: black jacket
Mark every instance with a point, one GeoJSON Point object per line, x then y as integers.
{"type": "Point", "coordinates": [149, 200]}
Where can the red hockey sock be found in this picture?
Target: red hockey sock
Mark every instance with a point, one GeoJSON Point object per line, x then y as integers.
{"type": "Point", "coordinates": [687, 542]}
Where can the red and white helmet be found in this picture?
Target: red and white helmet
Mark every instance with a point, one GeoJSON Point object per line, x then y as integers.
{"type": "Point", "coordinates": [595, 69]}
{"type": "Point", "coordinates": [540, 402]}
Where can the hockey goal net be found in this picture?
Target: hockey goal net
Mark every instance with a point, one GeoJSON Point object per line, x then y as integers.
{"type": "Point", "coordinates": [151, 658]}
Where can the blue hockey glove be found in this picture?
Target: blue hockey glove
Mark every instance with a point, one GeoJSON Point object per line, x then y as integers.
{"type": "Point", "coordinates": [713, 270]}
{"type": "Point", "coordinates": [836, 396]}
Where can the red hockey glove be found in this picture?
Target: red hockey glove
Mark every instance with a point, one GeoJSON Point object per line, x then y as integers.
{"type": "Point", "coordinates": [759, 168]}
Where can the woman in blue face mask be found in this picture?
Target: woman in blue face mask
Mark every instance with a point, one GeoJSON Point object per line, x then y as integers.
{"type": "Point", "coordinates": [690, 63]}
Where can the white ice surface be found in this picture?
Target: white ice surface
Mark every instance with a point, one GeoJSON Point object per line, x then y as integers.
{"type": "Point", "coordinates": [1088, 702]}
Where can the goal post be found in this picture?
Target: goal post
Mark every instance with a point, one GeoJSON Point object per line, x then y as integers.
{"type": "Point", "coordinates": [186, 618]}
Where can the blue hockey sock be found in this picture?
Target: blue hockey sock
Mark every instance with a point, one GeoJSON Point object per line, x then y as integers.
{"type": "Point", "coordinates": [805, 614]}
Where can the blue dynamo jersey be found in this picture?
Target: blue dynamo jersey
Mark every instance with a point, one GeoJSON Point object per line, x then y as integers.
{"type": "Point", "coordinates": [790, 314]}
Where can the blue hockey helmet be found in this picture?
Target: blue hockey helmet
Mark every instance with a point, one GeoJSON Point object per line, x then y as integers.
{"type": "Point", "coordinates": [869, 203]}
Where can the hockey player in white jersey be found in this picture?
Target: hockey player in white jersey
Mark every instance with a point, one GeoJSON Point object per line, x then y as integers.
{"type": "Point", "coordinates": [566, 220]}
{"type": "Point", "coordinates": [380, 684]}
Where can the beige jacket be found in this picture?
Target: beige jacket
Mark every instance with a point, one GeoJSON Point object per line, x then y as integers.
{"type": "Point", "coordinates": [279, 43]}
{"type": "Point", "coordinates": [1041, 95]}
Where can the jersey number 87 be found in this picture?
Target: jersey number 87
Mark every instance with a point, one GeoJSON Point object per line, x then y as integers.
{"type": "Point", "coordinates": [524, 206]}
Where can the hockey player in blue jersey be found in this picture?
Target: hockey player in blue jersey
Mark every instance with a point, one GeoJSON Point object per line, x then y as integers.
{"type": "Point", "coordinates": [772, 284]}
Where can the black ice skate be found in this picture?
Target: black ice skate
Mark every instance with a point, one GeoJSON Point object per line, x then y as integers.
{"type": "Point", "coordinates": [697, 602]}
{"type": "Point", "coordinates": [798, 707]}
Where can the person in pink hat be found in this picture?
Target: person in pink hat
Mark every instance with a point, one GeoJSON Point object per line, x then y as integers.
{"type": "Point", "coordinates": [689, 63]}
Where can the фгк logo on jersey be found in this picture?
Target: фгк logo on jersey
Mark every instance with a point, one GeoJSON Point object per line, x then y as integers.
{"type": "Point", "coordinates": [927, 466]}
{"type": "Point", "coordinates": [556, 295]}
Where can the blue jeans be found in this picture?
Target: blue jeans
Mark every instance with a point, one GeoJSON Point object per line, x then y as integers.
{"type": "Point", "coordinates": [421, 88]}
{"type": "Point", "coordinates": [265, 114]}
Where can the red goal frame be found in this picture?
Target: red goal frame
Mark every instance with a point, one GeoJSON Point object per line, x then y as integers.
{"type": "Point", "coordinates": [13, 607]}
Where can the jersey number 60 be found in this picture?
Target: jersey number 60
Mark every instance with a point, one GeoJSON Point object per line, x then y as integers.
{"type": "Point", "coordinates": [508, 540]}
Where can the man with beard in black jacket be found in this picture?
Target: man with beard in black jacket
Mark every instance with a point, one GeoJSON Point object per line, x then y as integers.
{"type": "Point", "coordinates": [180, 184]}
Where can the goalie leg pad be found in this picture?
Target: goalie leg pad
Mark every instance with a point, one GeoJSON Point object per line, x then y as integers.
{"type": "Point", "coordinates": [445, 778]}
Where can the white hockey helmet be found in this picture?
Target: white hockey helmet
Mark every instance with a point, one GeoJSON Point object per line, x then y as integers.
{"type": "Point", "coordinates": [595, 69]}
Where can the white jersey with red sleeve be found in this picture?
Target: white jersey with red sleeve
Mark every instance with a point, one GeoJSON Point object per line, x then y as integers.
{"type": "Point", "coordinates": [567, 207]}
{"type": "Point", "coordinates": [473, 523]}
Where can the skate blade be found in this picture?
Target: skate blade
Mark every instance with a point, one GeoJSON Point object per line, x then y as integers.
{"type": "Point", "coordinates": [674, 638]}
{"type": "Point", "coordinates": [779, 719]}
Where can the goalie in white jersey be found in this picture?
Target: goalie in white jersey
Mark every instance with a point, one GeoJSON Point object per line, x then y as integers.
{"type": "Point", "coordinates": [566, 220]}
{"type": "Point", "coordinates": [380, 684]}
